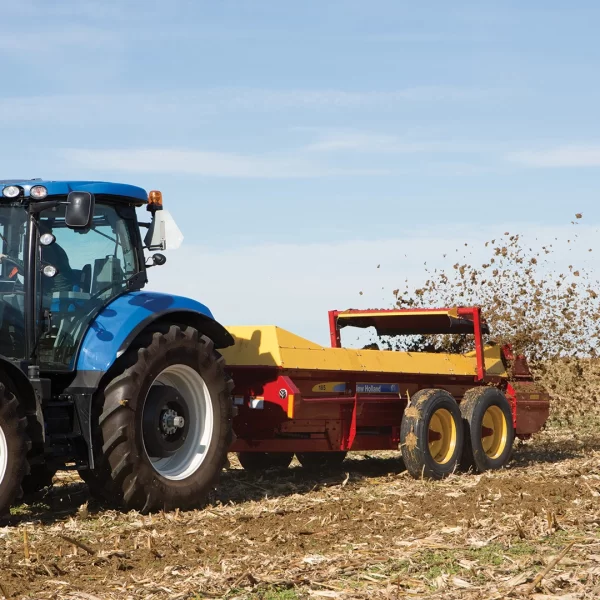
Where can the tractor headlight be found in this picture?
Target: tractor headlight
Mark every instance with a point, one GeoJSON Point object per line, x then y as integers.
{"type": "Point", "coordinates": [11, 191]}
{"type": "Point", "coordinates": [46, 239]}
{"type": "Point", "coordinates": [50, 271]}
{"type": "Point", "coordinates": [38, 192]}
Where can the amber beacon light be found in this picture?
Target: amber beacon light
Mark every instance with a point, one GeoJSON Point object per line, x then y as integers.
{"type": "Point", "coordinates": [155, 201]}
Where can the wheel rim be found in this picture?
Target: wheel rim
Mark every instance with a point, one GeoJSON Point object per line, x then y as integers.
{"type": "Point", "coordinates": [197, 426]}
{"type": "Point", "coordinates": [442, 436]}
{"type": "Point", "coordinates": [3, 455]}
{"type": "Point", "coordinates": [494, 432]}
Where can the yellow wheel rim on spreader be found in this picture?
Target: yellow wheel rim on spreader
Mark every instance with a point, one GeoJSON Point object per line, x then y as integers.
{"type": "Point", "coordinates": [442, 436]}
{"type": "Point", "coordinates": [494, 432]}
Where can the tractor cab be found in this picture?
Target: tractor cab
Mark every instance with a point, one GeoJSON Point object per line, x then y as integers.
{"type": "Point", "coordinates": [66, 251]}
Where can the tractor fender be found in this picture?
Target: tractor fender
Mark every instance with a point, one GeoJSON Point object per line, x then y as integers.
{"type": "Point", "coordinates": [118, 324]}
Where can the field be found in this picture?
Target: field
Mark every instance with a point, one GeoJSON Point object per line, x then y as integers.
{"type": "Point", "coordinates": [367, 531]}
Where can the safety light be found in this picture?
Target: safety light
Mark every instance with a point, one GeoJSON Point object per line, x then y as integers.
{"type": "Point", "coordinates": [11, 191]}
{"type": "Point", "coordinates": [38, 192]}
{"type": "Point", "coordinates": [50, 271]}
{"type": "Point", "coordinates": [46, 239]}
{"type": "Point", "coordinates": [155, 200]}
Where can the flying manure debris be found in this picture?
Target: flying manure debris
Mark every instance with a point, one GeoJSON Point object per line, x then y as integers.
{"type": "Point", "coordinates": [549, 314]}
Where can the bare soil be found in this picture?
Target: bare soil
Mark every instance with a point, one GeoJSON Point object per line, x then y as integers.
{"type": "Point", "coordinates": [366, 530]}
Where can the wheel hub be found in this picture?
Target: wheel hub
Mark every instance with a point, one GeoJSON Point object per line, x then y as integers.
{"type": "Point", "coordinates": [165, 421]}
{"type": "Point", "coordinates": [494, 432]}
{"type": "Point", "coordinates": [170, 422]}
{"type": "Point", "coordinates": [178, 422]}
{"type": "Point", "coordinates": [441, 436]}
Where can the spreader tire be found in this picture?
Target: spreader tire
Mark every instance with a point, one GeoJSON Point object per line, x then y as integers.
{"type": "Point", "coordinates": [263, 461]}
{"type": "Point", "coordinates": [40, 477]}
{"type": "Point", "coordinates": [315, 461]}
{"type": "Point", "coordinates": [14, 446]}
{"type": "Point", "coordinates": [165, 423]}
{"type": "Point", "coordinates": [431, 434]}
{"type": "Point", "coordinates": [489, 431]}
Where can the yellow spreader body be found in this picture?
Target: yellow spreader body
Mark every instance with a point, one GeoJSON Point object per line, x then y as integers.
{"type": "Point", "coordinates": [271, 346]}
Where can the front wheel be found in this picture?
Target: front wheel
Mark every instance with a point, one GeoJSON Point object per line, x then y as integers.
{"type": "Point", "coordinates": [166, 422]}
{"type": "Point", "coordinates": [14, 445]}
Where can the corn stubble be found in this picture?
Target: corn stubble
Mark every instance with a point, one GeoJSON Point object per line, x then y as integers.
{"type": "Point", "coordinates": [550, 315]}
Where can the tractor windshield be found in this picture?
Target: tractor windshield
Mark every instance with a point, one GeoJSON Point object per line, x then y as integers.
{"type": "Point", "coordinates": [92, 268]}
{"type": "Point", "coordinates": [13, 225]}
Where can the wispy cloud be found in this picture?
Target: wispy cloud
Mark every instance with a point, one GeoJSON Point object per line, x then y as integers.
{"type": "Point", "coordinates": [379, 142]}
{"type": "Point", "coordinates": [99, 110]}
{"type": "Point", "coordinates": [364, 142]}
{"type": "Point", "coordinates": [191, 103]}
{"type": "Point", "coordinates": [206, 164]}
{"type": "Point", "coordinates": [288, 163]}
{"type": "Point", "coordinates": [560, 156]}
{"type": "Point", "coordinates": [354, 99]}
{"type": "Point", "coordinates": [95, 9]}
{"type": "Point", "coordinates": [42, 42]}
{"type": "Point", "coordinates": [64, 56]}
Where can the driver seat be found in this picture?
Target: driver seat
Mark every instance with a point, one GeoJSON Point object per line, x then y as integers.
{"type": "Point", "coordinates": [107, 274]}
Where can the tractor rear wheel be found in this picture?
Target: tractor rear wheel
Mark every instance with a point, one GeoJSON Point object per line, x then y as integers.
{"type": "Point", "coordinates": [165, 423]}
{"type": "Point", "coordinates": [14, 446]}
{"type": "Point", "coordinates": [489, 431]}
{"type": "Point", "coordinates": [263, 461]}
{"type": "Point", "coordinates": [315, 461]}
{"type": "Point", "coordinates": [431, 434]}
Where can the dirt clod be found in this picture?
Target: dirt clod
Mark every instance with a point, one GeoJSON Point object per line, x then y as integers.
{"type": "Point", "coordinates": [411, 441]}
{"type": "Point", "coordinates": [412, 411]}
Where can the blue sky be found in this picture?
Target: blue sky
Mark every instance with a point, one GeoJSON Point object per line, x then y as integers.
{"type": "Point", "coordinates": [301, 144]}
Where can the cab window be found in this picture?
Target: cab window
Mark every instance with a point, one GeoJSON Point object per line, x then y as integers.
{"type": "Point", "coordinates": [92, 267]}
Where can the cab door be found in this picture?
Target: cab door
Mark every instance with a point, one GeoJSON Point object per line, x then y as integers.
{"type": "Point", "coordinates": [92, 268]}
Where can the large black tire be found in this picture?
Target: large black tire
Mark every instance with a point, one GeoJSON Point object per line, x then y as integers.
{"type": "Point", "coordinates": [40, 477]}
{"type": "Point", "coordinates": [315, 461]}
{"type": "Point", "coordinates": [264, 461]}
{"type": "Point", "coordinates": [14, 446]}
{"type": "Point", "coordinates": [124, 472]}
{"type": "Point", "coordinates": [431, 434]}
{"type": "Point", "coordinates": [489, 431]}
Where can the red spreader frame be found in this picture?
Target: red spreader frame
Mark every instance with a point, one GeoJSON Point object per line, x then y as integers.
{"type": "Point", "coordinates": [296, 410]}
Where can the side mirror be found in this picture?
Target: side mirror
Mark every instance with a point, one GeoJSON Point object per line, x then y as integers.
{"type": "Point", "coordinates": [80, 210]}
{"type": "Point", "coordinates": [156, 260]}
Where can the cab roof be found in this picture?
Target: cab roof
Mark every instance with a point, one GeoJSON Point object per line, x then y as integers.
{"type": "Point", "coordinates": [61, 188]}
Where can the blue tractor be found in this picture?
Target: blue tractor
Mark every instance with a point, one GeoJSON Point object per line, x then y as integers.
{"type": "Point", "coordinates": [124, 385]}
